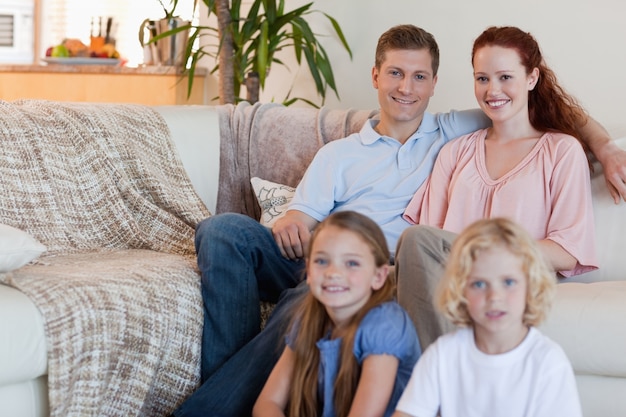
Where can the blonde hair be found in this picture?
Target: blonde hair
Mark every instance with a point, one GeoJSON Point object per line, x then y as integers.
{"type": "Point", "coordinates": [486, 234]}
{"type": "Point", "coordinates": [313, 324]}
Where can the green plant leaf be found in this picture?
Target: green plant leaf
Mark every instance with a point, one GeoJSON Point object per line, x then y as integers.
{"type": "Point", "coordinates": [270, 10]}
{"type": "Point", "coordinates": [262, 53]}
{"type": "Point", "coordinates": [339, 34]}
{"type": "Point", "coordinates": [266, 29]}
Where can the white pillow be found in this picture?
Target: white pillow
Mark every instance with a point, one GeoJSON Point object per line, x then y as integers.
{"type": "Point", "coordinates": [17, 248]}
{"type": "Point", "coordinates": [273, 199]}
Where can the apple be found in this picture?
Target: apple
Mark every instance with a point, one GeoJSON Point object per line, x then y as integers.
{"type": "Point", "coordinates": [60, 51]}
{"type": "Point", "coordinates": [49, 51]}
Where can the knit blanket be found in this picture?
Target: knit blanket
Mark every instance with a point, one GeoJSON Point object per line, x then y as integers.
{"type": "Point", "coordinates": [103, 187]}
{"type": "Point", "coordinates": [273, 142]}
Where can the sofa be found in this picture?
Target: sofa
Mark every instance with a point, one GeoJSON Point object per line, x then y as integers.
{"type": "Point", "coordinates": [100, 309]}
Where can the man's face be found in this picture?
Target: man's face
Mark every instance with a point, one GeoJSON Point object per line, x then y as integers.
{"type": "Point", "coordinates": [405, 84]}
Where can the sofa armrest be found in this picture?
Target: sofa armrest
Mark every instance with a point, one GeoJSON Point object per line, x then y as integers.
{"type": "Point", "coordinates": [23, 343]}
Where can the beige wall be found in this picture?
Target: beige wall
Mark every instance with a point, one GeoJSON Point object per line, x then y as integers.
{"type": "Point", "coordinates": [584, 41]}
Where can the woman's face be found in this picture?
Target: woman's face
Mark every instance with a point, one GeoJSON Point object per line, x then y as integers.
{"type": "Point", "coordinates": [501, 84]}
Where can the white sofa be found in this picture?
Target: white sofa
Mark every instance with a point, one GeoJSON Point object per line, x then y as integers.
{"type": "Point", "coordinates": [588, 319]}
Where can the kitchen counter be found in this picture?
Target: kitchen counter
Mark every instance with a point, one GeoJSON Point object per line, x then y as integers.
{"type": "Point", "coordinates": [151, 85]}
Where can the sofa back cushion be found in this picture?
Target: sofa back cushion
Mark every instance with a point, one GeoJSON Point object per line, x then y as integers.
{"type": "Point", "coordinates": [275, 143]}
{"type": "Point", "coordinates": [610, 222]}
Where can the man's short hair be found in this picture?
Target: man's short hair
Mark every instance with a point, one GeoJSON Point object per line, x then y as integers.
{"type": "Point", "coordinates": [407, 37]}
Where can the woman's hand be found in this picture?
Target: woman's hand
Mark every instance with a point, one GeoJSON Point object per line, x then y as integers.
{"type": "Point", "coordinates": [613, 160]}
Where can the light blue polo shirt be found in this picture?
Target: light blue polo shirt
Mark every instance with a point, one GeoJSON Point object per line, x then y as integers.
{"type": "Point", "coordinates": [377, 175]}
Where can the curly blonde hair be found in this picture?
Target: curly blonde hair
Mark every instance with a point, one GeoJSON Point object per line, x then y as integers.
{"type": "Point", "coordinates": [486, 234]}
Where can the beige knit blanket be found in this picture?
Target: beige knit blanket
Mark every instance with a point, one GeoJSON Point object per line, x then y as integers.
{"type": "Point", "coordinates": [104, 189]}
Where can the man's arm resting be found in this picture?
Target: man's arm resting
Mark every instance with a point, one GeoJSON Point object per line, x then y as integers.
{"type": "Point", "coordinates": [612, 158]}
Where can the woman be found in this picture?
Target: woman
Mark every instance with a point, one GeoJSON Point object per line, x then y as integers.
{"type": "Point", "coordinates": [528, 167]}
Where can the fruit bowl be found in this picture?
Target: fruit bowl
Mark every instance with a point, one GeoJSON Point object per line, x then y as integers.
{"type": "Point", "coordinates": [82, 61]}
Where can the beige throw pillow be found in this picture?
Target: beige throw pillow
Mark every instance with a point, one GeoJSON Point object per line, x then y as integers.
{"type": "Point", "coordinates": [273, 199]}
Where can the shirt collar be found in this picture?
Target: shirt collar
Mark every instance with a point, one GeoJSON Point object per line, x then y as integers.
{"type": "Point", "coordinates": [369, 135]}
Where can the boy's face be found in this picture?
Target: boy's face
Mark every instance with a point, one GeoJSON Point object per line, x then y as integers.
{"type": "Point", "coordinates": [405, 84]}
{"type": "Point", "coordinates": [496, 294]}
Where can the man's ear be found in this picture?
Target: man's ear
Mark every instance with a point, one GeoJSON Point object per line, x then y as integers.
{"type": "Point", "coordinates": [375, 77]}
{"type": "Point", "coordinates": [380, 277]}
{"type": "Point", "coordinates": [435, 78]}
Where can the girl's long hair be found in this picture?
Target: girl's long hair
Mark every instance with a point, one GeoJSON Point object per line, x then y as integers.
{"type": "Point", "coordinates": [550, 107]}
{"type": "Point", "coordinates": [313, 324]}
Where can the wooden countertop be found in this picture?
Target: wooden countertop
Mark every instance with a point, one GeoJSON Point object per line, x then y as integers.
{"type": "Point", "coordinates": [152, 85]}
{"type": "Point", "coordinates": [99, 69]}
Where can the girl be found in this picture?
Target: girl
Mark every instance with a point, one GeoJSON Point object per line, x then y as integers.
{"type": "Point", "coordinates": [528, 167]}
{"type": "Point", "coordinates": [351, 348]}
{"type": "Point", "coordinates": [498, 287]}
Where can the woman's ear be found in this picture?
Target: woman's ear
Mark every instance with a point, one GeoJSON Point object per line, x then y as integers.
{"type": "Point", "coordinates": [380, 276]}
{"type": "Point", "coordinates": [533, 78]}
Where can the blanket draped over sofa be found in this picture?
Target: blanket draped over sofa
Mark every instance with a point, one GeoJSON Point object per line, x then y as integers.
{"type": "Point", "coordinates": [103, 187]}
{"type": "Point", "coordinates": [251, 136]}
{"type": "Point", "coordinates": [118, 288]}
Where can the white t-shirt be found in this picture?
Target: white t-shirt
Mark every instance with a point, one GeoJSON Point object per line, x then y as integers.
{"type": "Point", "coordinates": [456, 379]}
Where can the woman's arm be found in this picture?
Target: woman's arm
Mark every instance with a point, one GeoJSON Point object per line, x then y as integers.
{"type": "Point", "coordinates": [273, 398]}
{"type": "Point", "coordinates": [556, 256]}
{"type": "Point", "coordinates": [612, 158]}
{"type": "Point", "coordinates": [378, 376]}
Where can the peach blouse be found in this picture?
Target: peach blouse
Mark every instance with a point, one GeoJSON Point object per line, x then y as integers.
{"type": "Point", "coordinates": [548, 193]}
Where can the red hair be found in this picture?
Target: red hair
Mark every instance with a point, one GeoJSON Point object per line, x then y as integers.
{"type": "Point", "coordinates": [550, 108]}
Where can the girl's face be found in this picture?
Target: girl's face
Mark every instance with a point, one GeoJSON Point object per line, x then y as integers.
{"type": "Point", "coordinates": [501, 84]}
{"type": "Point", "coordinates": [496, 300]}
{"type": "Point", "coordinates": [341, 272]}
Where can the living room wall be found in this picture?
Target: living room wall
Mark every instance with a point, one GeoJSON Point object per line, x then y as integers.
{"type": "Point", "coordinates": [584, 41]}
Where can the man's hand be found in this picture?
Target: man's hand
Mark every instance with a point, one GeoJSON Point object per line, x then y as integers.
{"type": "Point", "coordinates": [293, 232]}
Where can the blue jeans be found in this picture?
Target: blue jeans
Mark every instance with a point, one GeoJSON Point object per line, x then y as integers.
{"type": "Point", "coordinates": [240, 265]}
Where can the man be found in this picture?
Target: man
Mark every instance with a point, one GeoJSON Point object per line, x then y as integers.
{"type": "Point", "coordinates": [242, 262]}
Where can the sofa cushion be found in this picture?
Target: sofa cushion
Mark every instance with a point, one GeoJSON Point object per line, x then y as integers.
{"type": "Point", "coordinates": [199, 149]}
{"type": "Point", "coordinates": [273, 199]}
{"type": "Point", "coordinates": [587, 321]}
{"type": "Point", "coordinates": [17, 248]}
{"type": "Point", "coordinates": [610, 236]}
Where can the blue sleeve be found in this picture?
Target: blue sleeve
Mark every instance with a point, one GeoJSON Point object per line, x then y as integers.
{"type": "Point", "coordinates": [458, 123]}
{"type": "Point", "coordinates": [386, 329]}
{"type": "Point", "coordinates": [315, 194]}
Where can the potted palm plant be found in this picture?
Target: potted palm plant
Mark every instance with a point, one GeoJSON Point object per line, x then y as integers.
{"type": "Point", "coordinates": [246, 44]}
